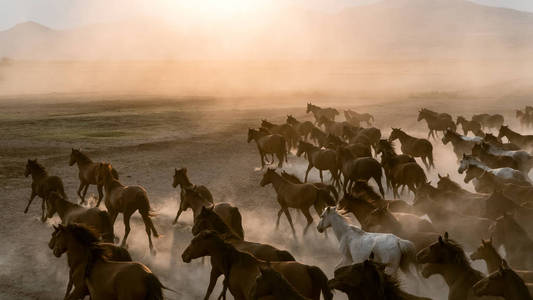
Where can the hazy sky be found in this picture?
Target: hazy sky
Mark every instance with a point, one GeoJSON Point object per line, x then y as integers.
{"type": "Point", "coordinates": [69, 13]}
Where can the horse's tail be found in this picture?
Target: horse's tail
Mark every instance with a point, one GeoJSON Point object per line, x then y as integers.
{"type": "Point", "coordinates": [236, 222]}
{"type": "Point", "coordinates": [147, 213]}
{"type": "Point", "coordinates": [430, 158]}
{"type": "Point", "coordinates": [108, 231]}
{"type": "Point", "coordinates": [284, 255]}
{"type": "Point", "coordinates": [154, 288]}
{"type": "Point", "coordinates": [408, 250]}
{"type": "Point", "coordinates": [114, 173]}
{"type": "Point", "coordinates": [320, 282]}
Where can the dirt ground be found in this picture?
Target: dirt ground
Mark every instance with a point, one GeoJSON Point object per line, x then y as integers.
{"type": "Point", "coordinates": [145, 139]}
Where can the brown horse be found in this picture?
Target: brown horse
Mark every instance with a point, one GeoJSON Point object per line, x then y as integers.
{"type": "Point", "coordinates": [321, 159]}
{"type": "Point", "coordinates": [494, 161]}
{"type": "Point", "coordinates": [435, 122]}
{"type": "Point", "coordinates": [356, 118]}
{"type": "Point", "coordinates": [269, 144]}
{"type": "Point", "coordinates": [210, 220]}
{"type": "Point", "coordinates": [73, 213]}
{"type": "Point", "coordinates": [454, 267]}
{"type": "Point", "coordinates": [362, 190]}
{"type": "Point", "coordinates": [319, 137]}
{"type": "Point", "coordinates": [357, 149]}
{"type": "Point", "coordinates": [498, 204]}
{"type": "Point", "coordinates": [489, 121]}
{"type": "Point", "coordinates": [489, 138]}
{"type": "Point", "coordinates": [42, 184]}
{"type": "Point", "coordinates": [522, 141]}
{"type": "Point", "coordinates": [303, 128]}
{"type": "Point", "coordinates": [368, 281]}
{"type": "Point", "coordinates": [323, 186]}
{"type": "Point", "coordinates": [115, 254]}
{"type": "Point", "coordinates": [516, 241]}
{"type": "Point", "coordinates": [354, 169]}
{"type": "Point", "coordinates": [181, 179]}
{"type": "Point", "coordinates": [87, 174]}
{"type": "Point", "coordinates": [290, 133]}
{"type": "Point", "coordinates": [469, 126]}
{"type": "Point", "coordinates": [414, 147]}
{"type": "Point", "coordinates": [332, 127]}
{"type": "Point", "coordinates": [493, 259]}
{"type": "Point", "coordinates": [126, 200]}
{"type": "Point", "coordinates": [241, 269]}
{"type": "Point", "coordinates": [300, 196]}
{"type": "Point", "coordinates": [461, 144]}
{"type": "Point", "coordinates": [92, 271]}
{"type": "Point", "coordinates": [504, 283]}
{"type": "Point", "coordinates": [270, 284]}
{"type": "Point", "coordinates": [319, 112]}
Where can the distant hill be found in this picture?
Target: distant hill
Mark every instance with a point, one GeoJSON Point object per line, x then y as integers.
{"type": "Point", "coordinates": [391, 28]}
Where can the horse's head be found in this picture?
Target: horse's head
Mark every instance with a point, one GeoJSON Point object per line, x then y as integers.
{"type": "Point", "coordinates": [252, 134]}
{"type": "Point", "coordinates": [504, 129]}
{"type": "Point", "coordinates": [421, 114]}
{"type": "Point", "coordinates": [266, 124]}
{"type": "Point", "coordinates": [443, 251]}
{"type": "Point", "coordinates": [395, 134]}
{"type": "Point", "coordinates": [382, 146]}
{"type": "Point", "coordinates": [310, 107]}
{"type": "Point", "coordinates": [180, 177]}
{"type": "Point", "coordinates": [58, 242]}
{"type": "Point", "coordinates": [464, 164]}
{"type": "Point", "coordinates": [30, 165]}
{"type": "Point", "coordinates": [74, 154]}
{"type": "Point", "coordinates": [302, 148]}
{"type": "Point", "coordinates": [460, 119]}
{"type": "Point", "coordinates": [291, 120]}
{"type": "Point", "coordinates": [202, 244]}
{"type": "Point", "coordinates": [326, 218]}
{"type": "Point", "coordinates": [483, 251]}
{"type": "Point", "coordinates": [497, 282]}
{"type": "Point", "coordinates": [446, 183]}
{"type": "Point", "coordinates": [203, 220]}
{"type": "Point", "coordinates": [268, 176]}
{"type": "Point", "coordinates": [359, 276]}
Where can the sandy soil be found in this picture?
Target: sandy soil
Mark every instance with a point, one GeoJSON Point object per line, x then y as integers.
{"type": "Point", "coordinates": [145, 140]}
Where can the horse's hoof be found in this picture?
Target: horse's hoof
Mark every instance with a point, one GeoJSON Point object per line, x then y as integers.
{"type": "Point", "coordinates": [26, 211]}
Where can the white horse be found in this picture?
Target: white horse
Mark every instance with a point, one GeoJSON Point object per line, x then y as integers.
{"type": "Point", "coordinates": [356, 244]}
{"type": "Point", "coordinates": [502, 174]}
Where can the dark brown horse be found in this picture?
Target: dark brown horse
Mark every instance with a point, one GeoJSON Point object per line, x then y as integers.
{"type": "Point", "coordinates": [290, 134]}
{"type": "Point", "coordinates": [498, 204]}
{"type": "Point", "coordinates": [319, 112]}
{"type": "Point", "coordinates": [494, 160]}
{"type": "Point", "coordinates": [493, 259]}
{"type": "Point", "coordinates": [435, 122]}
{"type": "Point", "coordinates": [354, 169]}
{"type": "Point", "coordinates": [93, 271]}
{"type": "Point", "coordinates": [321, 159]}
{"type": "Point", "coordinates": [300, 196]}
{"type": "Point", "coordinates": [522, 141]}
{"type": "Point", "coordinates": [516, 241]}
{"type": "Point", "coordinates": [270, 284]}
{"type": "Point", "coordinates": [126, 200]}
{"type": "Point", "coordinates": [42, 184]}
{"type": "Point", "coordinates": [303, 128]}
{"type": "Point", "coordinates": [319, 137]}
{"type": "Point", "coordinates": [323, 186]}
{"type": "Point", "coordinates": [454, 267]}
{"type": "Point", "coordinates": [269, 144]}
{"type": "Point", "coordinates": [241, 269]}
{"type": "Point", "coordinates": [357, 149]}
{"type": "Point", "coordinates": [363, 190]}
{"type": "Point", "coordinates": [182, 179]}
{"type": "Point", "coordinates": [210, 220]}
{"type": "Point", "coordinates": [504, 283]}
{"type": "Point", "coordinates": [368, 281]}
{"type": "Point", "coordinates": [87, 174]}
{"type": "Point", "coordinates": [489, 121]}
{"type": "Point", "coordinates": [69, 212]}
{"type": "Point", "coordinates": [461, 144]}
{"type": "Point", "coordinates": [469, 126]}
{"type": "Point", "coordinates": [489, 138]}
{"type": "Point", "coordinates": [115, 253]}
{"type": "Point", "coordinates": [356, 118]}
{"type": "Point", "coordinates": [332, 127]}
{"type": "Point", "coordinates": [414, 147]}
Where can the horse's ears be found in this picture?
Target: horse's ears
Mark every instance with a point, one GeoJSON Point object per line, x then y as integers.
{"type": "Point", "coordinates": [371, 256]}
{"type": "Point", "coordinates": [504, 265]}
{"type": "Point", "coordinates": [440, 240]}
{"type": "Point", "coordinates": [446, 236]}
{"type": "Point", "coordinates": [440, 177]}
{"type": "Point", "coordinates": [55, 227]}
{"type": "Point", "coordinates": [448, 175]}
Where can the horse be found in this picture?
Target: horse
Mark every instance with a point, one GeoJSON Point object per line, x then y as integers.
{"type": "Point", "coordinates": [300, 196]}
{"type": "Point", "coordinates": [287, 131]}
{"type": "Point", "coordinates": [518, 193]}
{"type": "Point", "coordinates": [270, 284]}
{"type": "Point", "coordinates": [241, 269]}
{"type": "Point", "coordinates": [522, 141]}
{"type": "Point", "coordinates": [319, 137]}
{"type": "Point", "coordinates": [481, 151]}
{"type": "Point", "coordinates": [361, 189]}
{"type": "Point", "coordinates": [362, 168]}
{"type": "Point", "coordinates": [469, 126]}
{"type": "Point", "coordinates": [367, 280]}
{"type": "Point", "coordinates": [498, 205]}
{"type": "Point", "coordinates": [303, 128]}
{"type": "Point", "coordinates": [92, 270]}
{"type": "Point", "coordinates": [126, 200]}
{"type": "Point", "coordinates": [489, 138]}
{"type": "Point", "coordinates": [87, 174]}
{"type": "Point", "coordinates": [516, 241]}
{"type": "Point", "coordinates": [503, 283]}
{"type": "Point", "coordinates": [435, 122]}
{"type": "Point", "coordinates": [356, 244]}
{"type": "Point", "coordinates": [42, 184]}
{"type": "Point", "coordinates": [115, 254]}
{"type": "Point", "coordinates": [523, 159]}
{"type": "Point", "coordinates": [356, 118]}
{"type": "Point", "coordinates": [493, 259]}
{"type": "Point", "coordinates": [368, 136]}
{"type": "Point", "coordinates": [357, 149]}
{"type": "Point", "coordinates": [269, 144]}
{"type": "Point", "coordinates": [180, 178]}
{"type": "Point", "coordinates": [476, 169]}
{"type": "Point", "coordinates": [446, 184]}
{"type": "Point", "coordinates": [400, 170]}
{"type": "Point", "coordinates": [208, 219]}
{"type": "Point", "coordinates": [69, 212]}
{"type": "Point", "coordinates": [489, 121]}
{"type": "Point", "coordinates": [453, 265]}
{"type": "Point", "coordinates": [323, 186]}
{"type": "Point", "coordinates": [439, 115]}
{"type": "Point", "coordinates": [332, 127]}
{"type": "Point", "coordinates": [526, 120]}
{"type": "Point", "coordinates": [319, 112]}
{"type": "Point", "coordinates": [321, 159]}
{"type": "Point", "coordinates": [461, 144]}
{"type": "Point", "coordinates": [414, 147]}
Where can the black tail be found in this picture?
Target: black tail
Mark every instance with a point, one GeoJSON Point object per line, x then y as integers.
{"type": "Point", "coordinates": [154, 288]}
{"type": "Point", "coordinates": [320, 282]}
{"type": "Point", "coordinates": [108, 231]}
{"type": "Point", "coordinates": [285, 256]}
{"type": "Point", "coordinates": [147, 213]}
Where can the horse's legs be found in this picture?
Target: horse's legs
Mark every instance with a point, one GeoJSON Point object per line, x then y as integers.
{"type": "Point", "coordinates": [320, 172]}
{"type": "Point", "coordinates": [69, 285]}
{"type": "Point", "coordinates": [309, 167]}
{"type": "Point", "coordinates": [33, 194]}
{"type": "Point", "coordinates": [288, 214]}
{"type": "Point", "coordinates": [180, 210]}
{"type": "Point", "coordinates": [344, 185]}
{"type": "Point", "coordinates": [148, 228]}
{"type": "Point", "coordinates": [279, 216]}
{"type": "Point", "coordinates": [280, 157]}
{"type": "Point", "coordinates": [99, 187]}
{"type": "Point", "coordinates": [84, 193]}
{"type": "Point", "coordinates": [309, 218]}
{"type": "Point", "coordinates": [80, 188]}
{"type": "Point", "coordinates": [423, 159]}
{"type": "Point", "coordinates": [43, 208]}
{"type": "Point", "coordinates": [380, 186]}
{"type": "Point", "coordinates": [127, 228]}
{"type": "Point", "coordinates": [212, 282]}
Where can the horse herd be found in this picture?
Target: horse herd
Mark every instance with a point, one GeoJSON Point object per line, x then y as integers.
{"type": "Point", "coordinates": [393, 236]}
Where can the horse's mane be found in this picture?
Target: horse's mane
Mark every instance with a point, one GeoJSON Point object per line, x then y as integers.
{"type": "Point", "coordinates": [82, 156]}
{"type": "Point", "coordinates": [291, 177]}
{"type": "Point", "coordinates": [451, 182]}
{"type": "Point", "coordinates": [220, 226]}
{"type": "Point", "coordinates": [458, 251]}
{"type": "Point", "coordinates": [38, 167]}
{"type": "Point", "coordinates": [88, 237]}
{"type": "Point", "coordinates": [368, 193]}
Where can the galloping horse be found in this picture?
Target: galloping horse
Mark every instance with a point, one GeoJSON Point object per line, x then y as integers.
{"type": "Point", "coordinates": [522, 141]}
{"type": "Point", "coordinates": [322, 159]}
{"type": "Point", "coordinates": [354, 169]}
{"type": "Point", "coordinates": [414, 147]}
{"type": "Point", "coordinates": [476, 169]}
{"type": "Point", "coordinates": [435, 122]}
{"type": "Point", "coordinates": [87, 174]}
{"type": "Point", "coordinates": [287, 131]}
{"type": "Point", "coordinates": [318, 112]}
{"type": "Point", "coordinates": [472, 126]}
{"type": "Point", "coordinates": [126, 200]}
{"type": "Point", "coordinates": [303, 128]}
{"type": "Point", "coordinates": [356, 118]}
{"type": "Point", "coordinates": [461, 144]}
{"type": "Point", "coordinates": [269, 144]}
{"type": "Point", "coordinates": [42, 184]}
{"type": "Point", "coordinates": [181, 179]}
{"type": "Point", "coordinates": [489, 121]}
